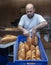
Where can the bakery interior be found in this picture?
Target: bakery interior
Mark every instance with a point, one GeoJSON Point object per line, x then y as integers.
{"type": "Point", "coordinates": [10, 14]}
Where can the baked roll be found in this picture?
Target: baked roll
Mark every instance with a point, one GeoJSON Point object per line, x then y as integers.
{"type": "Point", "coordinates": [8, 38]}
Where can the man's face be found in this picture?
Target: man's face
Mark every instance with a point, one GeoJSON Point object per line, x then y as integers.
{"type": "Point", "coordinates": [30, 12]}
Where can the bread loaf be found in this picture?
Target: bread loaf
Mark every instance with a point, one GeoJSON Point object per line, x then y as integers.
{"type": "Point", "coordinates": [8, 38]}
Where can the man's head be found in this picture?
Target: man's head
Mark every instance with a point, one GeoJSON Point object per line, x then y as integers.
{"type": "Point", "coordinates": [30, 10]}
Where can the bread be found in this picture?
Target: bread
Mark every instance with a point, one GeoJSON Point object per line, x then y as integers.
{"type": "Point", "coordinates": [26, 46]}
{"type": "Point", "coordinates": [21, 56]}
{"type": "Point", "coordinates": [32, 47]}
{"type": "Point", "coordinates": [29, 41]}
{"type": "Point", "coordinates": [37, 54]}
{"type": "Point", "coordinates": [32, 40]}
{"type": "Point", "coordinates": [36, 40]}
{"type": "Point", "coordinates": [37, 47]}
{"type": "Point", "coordinates": [28, 55]}
{"type": "Point", "coordinates": [38, 58]}
{"type": "Point", "coordinates": [33, 55]}
{"type": "Point", "coordinates": [8, 38]}
{"type": "Point", "coordinates": [21, 51]}
{"type": "Point", "coordinates": [21, 45]}
{"type": "Point", "coordinates": [29, 50]}
{"type": "Point", "coordinates": [10, 29]}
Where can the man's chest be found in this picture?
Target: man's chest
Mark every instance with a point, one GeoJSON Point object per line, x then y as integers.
{"type": "Point", "coordinates": [30, 23]}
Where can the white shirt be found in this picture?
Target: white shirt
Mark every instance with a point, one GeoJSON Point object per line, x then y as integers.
{"type": "Point", "coordinates": [28, 23]}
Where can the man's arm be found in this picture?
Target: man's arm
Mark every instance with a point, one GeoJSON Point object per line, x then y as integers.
{"type": "Point", "coordinates": [39, 26]}
{"type": "Point", "coordinates": [25, 32]}
{"type": "Point", "coordinates": [20, 27]}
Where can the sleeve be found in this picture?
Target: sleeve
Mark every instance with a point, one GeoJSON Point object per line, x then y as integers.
{"type": "Point", "coordinates": [40, 19]}
{"type": "Point", "coordinates": [21, 22]}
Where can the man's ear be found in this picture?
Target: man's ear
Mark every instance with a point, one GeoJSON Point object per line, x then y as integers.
{"type": "Point", "coordinates": [34, 9]}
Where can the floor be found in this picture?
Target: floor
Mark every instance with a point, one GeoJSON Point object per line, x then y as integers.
{"type": "Point", "coordinates": [48, 52]}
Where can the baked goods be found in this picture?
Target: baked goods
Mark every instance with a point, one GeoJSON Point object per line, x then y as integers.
{"type": "Point", "coordinates": [21, 45]}
{"type": "Point", "coordinates": [29, 41]}
{"type": "Point", "coordinates": [33, 55]}
{"type": "Point", "coordinates": [37, 54]}
{"type": "Point", "coordinates": [36, 40]}
{"type": "Point", "coordinates": [37, 47]}
{"type": "Point", "coordinates": [29, 50]}
{"type": "Point", "coordinates": [21, 55]}
{"type": "Point", "coordinates": [26, 47]}
{"type": "Point", "coordinates": [10, 29]}
{"type": "Point", "coordinates": [32, 47]}
{"type": "Point", "coordinates": [8, 38]}
{"type": "Point", "coordinates": [32, 40]}
{"type": "Point", "coordinates": [28, 55]}
{"type": "Point", "coordinates": [21, 51]}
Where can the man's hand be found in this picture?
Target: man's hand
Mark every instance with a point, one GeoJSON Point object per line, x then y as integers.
{"type": "Point", "coordinates": [25, 32]}
{"type": "Point", "coordinates": [33, 31]}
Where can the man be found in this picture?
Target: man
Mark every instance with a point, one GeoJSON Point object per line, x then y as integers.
{"type": "Point", "coordinates": [30, 22]}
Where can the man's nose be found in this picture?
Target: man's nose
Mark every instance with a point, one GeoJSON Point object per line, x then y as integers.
{"type": "Point", "coordinates": [29, 13]}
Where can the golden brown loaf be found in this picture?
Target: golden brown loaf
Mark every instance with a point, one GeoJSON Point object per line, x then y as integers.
{"type": "Point", "coordinates": [8, 38]}
{"type": "Point", "coordinates": [10, 29]}
{"type": "Point", "coordinates": [28, 55]}
{"type": "Point", "coordinates": [26, 47]}
{"type": "Point", "coordinates": [29, 50]}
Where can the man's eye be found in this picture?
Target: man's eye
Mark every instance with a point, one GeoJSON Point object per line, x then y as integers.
{"type": "Point", "coordinates": [29, 11]}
